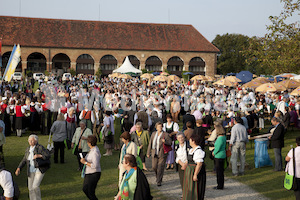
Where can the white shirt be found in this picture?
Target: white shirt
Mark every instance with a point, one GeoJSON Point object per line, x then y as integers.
{"type": "Point", "coordinates": [32, 169]}
{"type": "Point", "coordinates": [7, 183]}
{"type": "Point", "coordinates": [289, 166]}
{"type": "Point", "coordinates": [198, 156]}
{"type": "Point", "coordinates": [175, 126]}
{"type": "Point", "coordinates": [181, 153]}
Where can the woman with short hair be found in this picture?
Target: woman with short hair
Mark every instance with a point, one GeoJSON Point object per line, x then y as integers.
{"type": "Point", "coordinates": [128, 147]}
{"type": "Point", "coordinates": [59, 131]}
{"type": "Point", "coordinates": [156, 149]}
{"type": "Point", "coordinates": [134, 184]}
{"type": "Point", "coordinates": [35, 174]}
{"type": "Point", "coordinates": [92, 168]}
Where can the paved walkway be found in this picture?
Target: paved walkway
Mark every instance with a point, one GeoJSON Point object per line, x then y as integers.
{"type": "Point", "coordinates": [233, 189]}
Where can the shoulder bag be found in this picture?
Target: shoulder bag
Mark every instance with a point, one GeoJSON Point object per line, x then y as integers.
{"type": "Point", "coordinates": [75, 149]}
{"type": "Point", "coordinates": [50, 145]}
{"type": "Point", "coordinates": [290, 180]}
{"type": "Point", "coordinates": [167, 148]}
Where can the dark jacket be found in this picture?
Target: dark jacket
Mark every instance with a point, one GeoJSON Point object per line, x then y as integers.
{"type": "Point", "coordinates": [201, 131]}
{"type": "Point", "coordinates": [277, 139]}
{"type": "Point", "coordinates": [142, 190]}
{"type": "Point", "coordinates": [186, 118]}
{"type": "Point", "coordinates": [39, 149]}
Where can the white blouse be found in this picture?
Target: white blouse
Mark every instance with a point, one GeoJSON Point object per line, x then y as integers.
{"type": "Point", "coordinates": [181, 153]}
{"type": "Point", "coordinates": [199, 154]}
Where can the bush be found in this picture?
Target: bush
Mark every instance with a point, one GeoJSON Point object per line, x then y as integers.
{"type": "Point", "coordinates": [29, 73]}
{"type": "Point", "coordinates": [99, 72]}
{"type": "Point", "coordinates": [185, 77]}
{"type": "Point", "coordinates": [72, 72]}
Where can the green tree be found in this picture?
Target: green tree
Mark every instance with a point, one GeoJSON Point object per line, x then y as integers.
{"type": "Point", "coordinates": [279, 50]}
{"type": "Point", "coordinates": [231, 57]}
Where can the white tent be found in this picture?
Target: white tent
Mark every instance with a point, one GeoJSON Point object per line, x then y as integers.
{"type": "Point", "coordinates": [127, 67]}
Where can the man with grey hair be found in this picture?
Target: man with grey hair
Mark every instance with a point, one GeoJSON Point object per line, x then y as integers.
{"type": "Point", "coordinates": [79, 142]}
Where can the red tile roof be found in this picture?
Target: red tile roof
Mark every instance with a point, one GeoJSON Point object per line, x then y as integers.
{"type": "Point", "coordinates": [37, 32]}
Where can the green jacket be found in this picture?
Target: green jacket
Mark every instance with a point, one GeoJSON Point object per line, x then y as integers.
{"type": "Point", "coordinates": [143, 140]}
{"type": "Point", "coordinates": [220, 147]}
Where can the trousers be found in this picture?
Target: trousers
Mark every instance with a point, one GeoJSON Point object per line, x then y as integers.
{"type": "Point", "coordinates": [34, 182]}
{"type": "Point", "coordinates": [238, 152]}
{"type": "Point", "coordinates": [220, 172]}
{"type": "Point", "coordinates": [89, 185]}
{"type": "Point", "coordinates": [278, 159]}
{"type": "Point", "coordinates": [59, 147]}
{"type": "Point", "coordinates": [158, 166]}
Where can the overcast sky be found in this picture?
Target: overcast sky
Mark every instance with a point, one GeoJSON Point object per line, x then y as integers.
{"type": "Point", "coordinates": [209, 17]}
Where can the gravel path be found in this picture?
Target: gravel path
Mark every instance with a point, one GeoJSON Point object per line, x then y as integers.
{"type": "Point", "coordinates": [233, 189]}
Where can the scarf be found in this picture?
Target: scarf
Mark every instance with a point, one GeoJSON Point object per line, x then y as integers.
{"type": "Point", "coordinates": [139, 133]}
{"type": "Point", "coordinates": [124, 151]}
{"type": "Point", "coordinates": [125, 186]}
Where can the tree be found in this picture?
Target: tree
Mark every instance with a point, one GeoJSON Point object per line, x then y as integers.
{"type": "Point", "coordinates": [279, 50]}
{"type": "Point", "coordinates": [231, 57]}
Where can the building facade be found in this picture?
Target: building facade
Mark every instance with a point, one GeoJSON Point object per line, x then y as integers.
{"type": "Point", "coordinates": [58, 46]}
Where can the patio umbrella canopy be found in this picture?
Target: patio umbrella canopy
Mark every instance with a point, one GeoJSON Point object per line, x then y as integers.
{"type": "Point", "coordinates": [296, 92]}
{"type": "Point", "coordinates": [270, 87]}
{"type": "Point", "coordinates": [114, 75]}
{"type": "Point", "coordinates": [147, 76]}
{"type": "Point", "coordinates": [224, 82]}
{"type": "Point", "coordinates": [199, 78]}
{"type": "Point", "coordinates": [125, 76]}
{"type": "Point", "coordinates": [261, 80]}
{"type": "Point", "coordinates": [245, 76]}
{"type": "Point", "coordinates": [252, 84]}
{"type": "Point", "coordinates": [160, 78]}
{"type": "Point", "coordinates": [173, 78]}
{"type": "Point", "coordinates": [209, 78]}
{"type": "Point", "coordinates": [290, 84]}
{"type": "Point", "coordinates": [164, 74]}
{"type": "Point", "coordinates": [233, 79]}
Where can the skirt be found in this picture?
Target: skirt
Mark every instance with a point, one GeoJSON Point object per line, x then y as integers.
{"type": "Point", "coordinates": [194, 190]}
{"type": "Point", "coordinates": [171, 156]}
{"type": "Point", "coordinates": [19, 121]}
{"type": "Point", "coordinates": [109, 146]}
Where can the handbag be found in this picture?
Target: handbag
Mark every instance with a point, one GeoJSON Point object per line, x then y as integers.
{"type": "Point", "coordinates": [50, 145]}
{"type": "Point", "coordinates": [39, 162]}
{"type": "Point", "coordinates": [290, 180]}
{"type": "Point", "coordinates": [75, 148]}
{"type": "Point", "coordinates": [167, 148]}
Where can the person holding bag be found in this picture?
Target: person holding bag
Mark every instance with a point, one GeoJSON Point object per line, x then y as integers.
{"type": "Point", "coordinates": [37, 159]}
{"type": "Point", "coordinates": [79, 143]}
{"type": "Point", "coordinates": [92, 169]}
{"type": "Point", "coordinates": [293, 165]}
{"type": "Point", "coordinates": [159, 142]}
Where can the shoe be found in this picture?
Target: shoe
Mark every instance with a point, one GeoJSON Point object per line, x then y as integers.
{"type": "Point", "coordinates": [242, 174]}
{"type": "Point", "coordinates": [106, 154]}
{"type": "Point", "coordinates": [168, 167]}
{"type": "Point", "coordinates": [145, 170]}
{"type": "Point", "coordinates": [234, 174]}
{"type": "Point", "coordinates": [216, 188]}
{"type": "Point", "coordinates": [158, 184]}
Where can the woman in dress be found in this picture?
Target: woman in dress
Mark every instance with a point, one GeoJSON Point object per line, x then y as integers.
{"type": "Point", "coordinates": [195, 175]}
{"type": "Point", "coordinates": [117, 127]}
{"type": "Point", "coordinates": [108, 124]}
{"type": "Point", "coordinates": [175, 109]}
{"type": "Point", "coordinates": [128, 147]}
{"type": "Point", "coordinates": [156, 150]}
{"type": "Point", "coordinates": [19, 111]}
{"type": "Point", "coordinates": [172, 129]}
{"type": "Point", "coordinates": [219, 154]}
{"type": "Point", "coordinates": [35, 175]}
{"type": "Point", "coordinates": [181, 150]}
{"type": "Point", "coordinates": [71, 121]}
{"type": "Point", "coordinates": [92, 168]}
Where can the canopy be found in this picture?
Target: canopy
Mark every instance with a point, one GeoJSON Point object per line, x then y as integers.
{"type": "Point", "coordinates": [270, 87]}
{"type": "Point", "coordinates": [296, 92]}
{"type": "Point", "coordinates": [245, 76]}
{"type": "Point", "coordinates": [296, 77]}
{"type": "Point", "coordinates": [224, 82]}
{"type": "Point", "coordinates": [233, 79]}
{"type": "Point", "coordinates": [199, 78]}
{"type": "Point", "coordinates": [290, 84]}
{"type": "Point", "coordinates": [147, 76]}
{"type": "Point", "coordinates": [160, 78]}
{"type": "Point", "coordinates": [173, 78]}
{"type": "Point", "coordinates": [127, 67]}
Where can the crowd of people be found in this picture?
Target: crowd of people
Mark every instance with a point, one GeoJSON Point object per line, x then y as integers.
{"type": "Point", "coordinates": [141, 118]}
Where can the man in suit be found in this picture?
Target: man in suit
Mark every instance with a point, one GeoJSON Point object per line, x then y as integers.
{"type": "Point", "coordinates": [277, 142]}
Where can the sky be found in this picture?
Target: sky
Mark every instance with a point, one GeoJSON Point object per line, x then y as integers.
{"type": "Point", "coordinates": [209, 17]}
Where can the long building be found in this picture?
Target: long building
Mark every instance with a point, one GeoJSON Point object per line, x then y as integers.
{"type": "Point", "coordinates": [85, 46]}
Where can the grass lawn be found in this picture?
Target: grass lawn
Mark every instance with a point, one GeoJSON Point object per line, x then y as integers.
{"type": "Point", "coordinates": [61, 181]}
{"type": "Point", "coordinates": [264, 180]}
